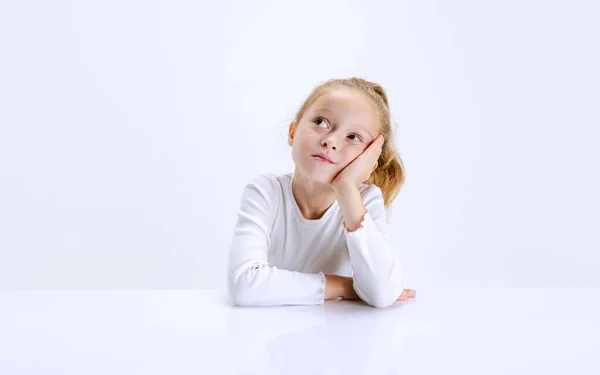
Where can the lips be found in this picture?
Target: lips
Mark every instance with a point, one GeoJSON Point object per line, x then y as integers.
{"type": "Point", "coordinates": [323, 157]}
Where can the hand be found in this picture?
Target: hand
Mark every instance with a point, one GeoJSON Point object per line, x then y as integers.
{"type": "Point", "coordinates": [406, 294]}
{"type": "Point", "coordinates": [340, 286]}
{"type": "Point", "coordinates": [350, 293]}
{"type": "Point", "coordinates": [359, 170]}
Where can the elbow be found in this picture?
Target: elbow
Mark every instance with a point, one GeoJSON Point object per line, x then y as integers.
{"type": "Point", "coordinates": [381, 295]}
{"type": "Point", "coordinates": [386, 295]}
{"type": "Point", "coordinates": [383, 300]}
{"type": "Point", "coordinates": [240, 298]}
{"type": "Point", "coordinates": [377, 298]}
{"type": "Point", "coordinates": [241, 290]}
{"type": "Point", "coordinates": [240, 294]}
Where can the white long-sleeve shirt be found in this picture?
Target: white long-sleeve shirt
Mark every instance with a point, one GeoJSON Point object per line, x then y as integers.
{"type": "Point", "coordinates": [278, 257]}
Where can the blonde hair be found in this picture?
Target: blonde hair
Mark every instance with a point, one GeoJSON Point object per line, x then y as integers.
{"type": "Point", "coordinates": [389, 173]}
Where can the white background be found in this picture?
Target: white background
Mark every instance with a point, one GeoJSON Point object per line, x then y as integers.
{"type": "Point", "coordinates": [128, 130]}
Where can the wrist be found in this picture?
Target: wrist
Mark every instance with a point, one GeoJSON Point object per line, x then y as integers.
{"type": "Point", "coordinates": [339, 286]}
{"type": "Point", "coordinates": [340, 187]}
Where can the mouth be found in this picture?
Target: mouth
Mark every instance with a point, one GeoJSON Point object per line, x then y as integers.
{"type": "Point", "coordinates": [322, 158]}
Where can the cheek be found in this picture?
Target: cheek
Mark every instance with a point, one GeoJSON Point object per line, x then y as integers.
{"type": "Point", "coordinates": [300, 149]}
{"type": "Point", "coordinates": [351, 153]}
{"type": "Point", "coordinates": [304, 144]}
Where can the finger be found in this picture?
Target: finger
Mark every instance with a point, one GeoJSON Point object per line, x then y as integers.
{"type": "Point", "coordinates": [374, 147]}
{"type": "Point", "coordinates": [378, 141]}
{"type": "Point", "coordinates": [370, 154]}
{"type": "Point", "coordinates": [373, 151]}
{"type": "Point", "coordinates": [408, 293]}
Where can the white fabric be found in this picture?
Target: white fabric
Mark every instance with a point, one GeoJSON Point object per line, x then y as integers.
{"type": "Point", "coordinates": [278, 257]}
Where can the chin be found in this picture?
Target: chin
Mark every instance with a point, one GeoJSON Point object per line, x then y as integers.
{"type": "Point", "coordinates": [318, 175]}
{"type": "Point", "coordinates": [324, 179]}
{"type": "Point", "coordinates": [315, 171]}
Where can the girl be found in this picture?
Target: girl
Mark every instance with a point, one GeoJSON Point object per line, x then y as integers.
{"type": "Point", "coordinates": [321, 232]}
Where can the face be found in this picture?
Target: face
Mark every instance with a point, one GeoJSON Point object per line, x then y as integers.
{"type": "Point", "coordinates": [340, 125]}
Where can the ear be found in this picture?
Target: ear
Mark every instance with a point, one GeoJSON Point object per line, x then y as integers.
{"type": "Point", "coordinates": [291, 132]}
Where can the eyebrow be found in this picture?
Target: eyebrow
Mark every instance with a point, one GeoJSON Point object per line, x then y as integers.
{"type": "Point", "coordinates": [359, 125]}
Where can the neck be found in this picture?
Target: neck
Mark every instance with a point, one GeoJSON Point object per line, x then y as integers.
{"type": "Point", "coordinates": [313, 198]}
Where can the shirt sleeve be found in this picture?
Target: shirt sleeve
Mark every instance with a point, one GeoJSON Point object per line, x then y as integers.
{"type": "Point", "coordinates": [252, 281]}
{"type": "Point", "coordinates": [377, 272]}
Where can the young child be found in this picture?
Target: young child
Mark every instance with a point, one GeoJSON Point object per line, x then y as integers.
{"type": "Point", "coordinates": [321, 232]}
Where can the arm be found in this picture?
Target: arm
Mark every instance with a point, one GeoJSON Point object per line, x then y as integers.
{"type": "Point", "coordinates": [251, 280]}
{"type": "Point", "coordinates": [377, 271]}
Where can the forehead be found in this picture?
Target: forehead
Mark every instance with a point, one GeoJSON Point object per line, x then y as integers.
{"type": "Point", "coordinates": [348, 105]}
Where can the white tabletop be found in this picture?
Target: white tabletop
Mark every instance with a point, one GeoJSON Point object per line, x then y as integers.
{"type": "Point", "coordinates": [441, 331]}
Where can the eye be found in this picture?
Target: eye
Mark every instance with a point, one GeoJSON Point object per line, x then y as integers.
{"type": "Point", "coordinates": [319, 119]}
{"type": "Point", "coordinates": [358, 138]}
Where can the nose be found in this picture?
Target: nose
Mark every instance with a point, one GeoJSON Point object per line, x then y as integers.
{"type": "Point", "coordinates": [329, 142]}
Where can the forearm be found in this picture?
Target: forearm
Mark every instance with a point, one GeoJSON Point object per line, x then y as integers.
{"type": "Point", "coordinates": [376, 256]}
{"type": "Point", "coordinates": [377, 281]}
{"type": "Point", "coordinates": [351, 205]}
{"type": "Point", "coordinates": [255, 284]}
{"type": "Point", "coordinates": [377, 272]}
